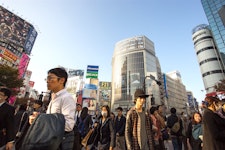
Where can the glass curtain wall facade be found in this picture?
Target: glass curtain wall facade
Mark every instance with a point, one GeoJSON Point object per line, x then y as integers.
{"type": "Point", "coordinates": [132, 59]}
{"type": "Point", "coordinates": [213, 10]}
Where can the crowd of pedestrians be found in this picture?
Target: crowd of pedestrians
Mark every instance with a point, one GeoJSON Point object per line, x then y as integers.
{"type": "Point", "coordinates": [138, 129]}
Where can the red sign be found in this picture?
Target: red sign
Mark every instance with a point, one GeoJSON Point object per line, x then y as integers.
{"type": "Point", "coordinates": [31, 84]}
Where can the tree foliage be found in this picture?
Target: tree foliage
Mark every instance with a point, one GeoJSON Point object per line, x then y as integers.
{"type": "Point", "coordinates": [9, 77]}
{"type": "Point", "coordinates": [220, 86]}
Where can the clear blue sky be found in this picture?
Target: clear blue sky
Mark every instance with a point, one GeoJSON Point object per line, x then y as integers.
{"type": "Point", "coordinates": [77, 33]}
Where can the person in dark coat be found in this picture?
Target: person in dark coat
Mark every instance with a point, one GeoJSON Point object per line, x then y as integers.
{"type": "Point", "coordinates": [213, 126]}
{"type": "Point", "coordinates": [106, 135]}
{"type": "Point", "coordinates": [19, 122]}
{"type": "Point", "coordinates": [194, 131]}
{"type": "Point", "coordinates": [120, 123]}
{"type": "Point", "coordinates": [176, 137]}
{"type": "Point", "coordinates": [85, 122]}
{"type": "Point", "coordinates": [7, 129]}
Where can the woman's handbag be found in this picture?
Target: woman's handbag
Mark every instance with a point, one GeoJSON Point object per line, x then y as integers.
{"type": "Point", "coordinates": [85, 139]}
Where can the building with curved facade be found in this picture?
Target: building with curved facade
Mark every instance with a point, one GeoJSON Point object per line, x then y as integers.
{"type": "Point", "coordinates": [209, 58]}
{"type": "Point", "coordinates": [134, 59]}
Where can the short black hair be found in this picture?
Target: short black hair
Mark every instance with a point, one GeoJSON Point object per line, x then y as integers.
{"type": "Point", "coordinates": [39, 102]}
{"type": "Point", "coordinates": [153, 109]}
{"type": "Point", "coordinates": [6, 92]}
{"type": "Point", "coordinates": [78, 105]}
{"type": "Point", "coordinates": [59, 72]}
{"type": "Point", "coordinates": [120, 109]}
{"type": "Point", "coordinates": [173, 110]}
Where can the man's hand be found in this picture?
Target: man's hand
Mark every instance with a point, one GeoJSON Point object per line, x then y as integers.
{"type": "Point", "coordinates": [32, 117]}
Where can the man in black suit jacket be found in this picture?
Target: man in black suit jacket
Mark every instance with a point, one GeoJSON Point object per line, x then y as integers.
{"type": "Point", "coordinates": [7, 133]}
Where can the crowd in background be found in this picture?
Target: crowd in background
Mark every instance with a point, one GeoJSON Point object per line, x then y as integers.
{"type": "Point", "coordinates": [136, 129]}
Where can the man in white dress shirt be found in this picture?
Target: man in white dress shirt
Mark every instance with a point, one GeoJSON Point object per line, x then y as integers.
{"type": "Point", "coordinates": [62, 102]}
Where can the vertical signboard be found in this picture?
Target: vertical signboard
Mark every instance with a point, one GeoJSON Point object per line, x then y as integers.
{"type": "Point", "coordinates": [104, 93]}
{"type": "Point", "coordinates": [24, 61]}
{"type": "Point", "coordinates": [92, 72]}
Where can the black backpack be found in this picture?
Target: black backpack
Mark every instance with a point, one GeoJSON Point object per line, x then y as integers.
{"type": "Point", "coordinates": [45, 133]}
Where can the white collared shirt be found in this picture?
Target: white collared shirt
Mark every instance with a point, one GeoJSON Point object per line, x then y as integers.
{"type": "Point", "coordinates": [77, 114]}
{"type": "Point", "coordinates": [2, 103]}
{"type": "Point", "coordinates": [64, 104]}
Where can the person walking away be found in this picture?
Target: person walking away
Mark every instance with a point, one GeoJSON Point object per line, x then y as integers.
{"type": "Point", "coordinates": [176, 136]}
{"type": "Point", "coordinates": [106, 135]}
{"type": "Point", "coordinates": [194, 131]}
{"type": "Point", "coordinates": [138, 130]}
{"type": "Point", "coordinates": [7, 129]}
{"type": "Point", "coordinates": [85, 122]}
{"type": "Point", "coordinates": [213, 126]}
{"type": "Point", "coordinates": [120, 123]}
{"type": "Point", "coordinates": [62, 102]}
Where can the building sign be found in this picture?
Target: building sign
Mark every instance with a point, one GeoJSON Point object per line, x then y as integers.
{"type": "Point", "coordinates": [105, 91]}
{"type": "Point", "coordinates": [105, 85]}
{"type": "Point", "coordinates": [17, 31]}
{"type": "Point", "coordinates": [89, 93]}
{"type": "Point", "coordinates": [75, 72]}
{"type": "Point", "coordinates": [92, 72]}
{"type": "Point", "coordinates": [24, 61]}
{"type": "Point", "coordinates": [31, 84]}
{"type": "Point", "coordinates": [30, 40]}
{"type": "Point", "coordinates": [9, 55]}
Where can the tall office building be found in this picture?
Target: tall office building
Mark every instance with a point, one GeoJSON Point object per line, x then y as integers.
{"type": "Point", "coordinates": [208, 56]}
{"type": "Point", "coordinates": [215, 13]}
{"type": "Point", "coordinates": [134, 59]}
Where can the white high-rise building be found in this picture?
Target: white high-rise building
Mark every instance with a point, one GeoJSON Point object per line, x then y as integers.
{"type": "Point", "coordinates": [209, 59]}
{"type": "Point", "coordinates": [133, 62]}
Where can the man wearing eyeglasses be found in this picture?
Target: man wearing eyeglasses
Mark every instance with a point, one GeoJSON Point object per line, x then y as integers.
{"type": "Point", "coordinates": [7, 131]}
{"type": "Point", "coordinates": [62, 102]}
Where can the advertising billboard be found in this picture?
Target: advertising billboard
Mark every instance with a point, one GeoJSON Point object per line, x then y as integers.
{"type": "Point", "coordinates": [89, 93]}
{"type": "Point", "coordinates": [90, 104]}
{"type": "Point", "coordinates": [92, 72]}
{"type": "Point", "coordinates": [17, 31]}
{"type": "Point", "coordinates": [73, 84]}
{"type": "Point", "coordinates": [104, 94]}
{"type": "Point", "coordinates": [75, 72]}
{"type": "Point", "coordinates": [24, 61]}
{"type": "Point", "coordinates": [31, 84]}
{"type": "Point", "coordinates": [8, 55]}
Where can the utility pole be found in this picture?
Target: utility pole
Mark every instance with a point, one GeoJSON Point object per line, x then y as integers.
{"type": "Point", "coordinates": [144, 87]}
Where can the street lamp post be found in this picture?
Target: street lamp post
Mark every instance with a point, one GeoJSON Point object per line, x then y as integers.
{"type": "Point", "coordinates": [144, 87]}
